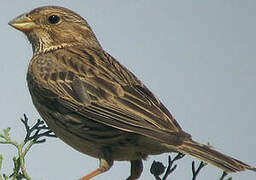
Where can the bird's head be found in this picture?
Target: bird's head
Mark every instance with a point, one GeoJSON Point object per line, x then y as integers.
{"type": "Point", "coordinates": [53, 27]}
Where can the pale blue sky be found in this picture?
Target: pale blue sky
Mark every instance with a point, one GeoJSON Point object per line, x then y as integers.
{"type": "Point", "coordinates": [197, 57]}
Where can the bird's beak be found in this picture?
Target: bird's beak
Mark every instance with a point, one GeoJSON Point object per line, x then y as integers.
{"type": "Point", "coordinates": [23, 23]}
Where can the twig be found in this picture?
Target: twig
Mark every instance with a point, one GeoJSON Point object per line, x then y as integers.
{"type": "Point", "coordinates": [170, 169]}
{"type": "Point", "coordinates": [32, 137]}
{"type": "Point", "coordinates": [1, 160]}
{"type": "Point", "coordinates": [39, 126]}
{"type": "Point", "coordinates": [224, 174]}
{"type": "Point", "coordinates": [196, 171]}
{"type": "Point", "coordinates": [157, 168]}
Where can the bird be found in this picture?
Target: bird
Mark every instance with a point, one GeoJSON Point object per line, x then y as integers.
{"type": "Point", "coordinates": [95, 104]}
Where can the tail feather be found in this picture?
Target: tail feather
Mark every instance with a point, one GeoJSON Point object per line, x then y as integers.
{"type": "Point", "coordinates": [207, 154]}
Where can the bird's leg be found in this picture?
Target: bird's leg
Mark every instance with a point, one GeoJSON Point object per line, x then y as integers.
{"type": "Point", "coordinates": [136, 169]}
{"type": "Point", "coordinates": [104, 166]}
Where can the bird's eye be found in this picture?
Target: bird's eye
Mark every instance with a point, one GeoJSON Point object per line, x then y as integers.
{"type": "Point", "coordinates": [53, 19]}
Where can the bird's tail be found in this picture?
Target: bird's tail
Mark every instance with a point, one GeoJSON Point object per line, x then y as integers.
{"type": "Point", "coordinates": [207, 154]}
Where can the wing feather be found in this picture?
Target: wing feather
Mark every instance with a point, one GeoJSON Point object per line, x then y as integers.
{"type": "Point", "coordinates": [104, 91]}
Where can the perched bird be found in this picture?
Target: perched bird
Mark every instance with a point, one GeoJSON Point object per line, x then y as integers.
{"type": "Point", "coordinates": [96, 105]}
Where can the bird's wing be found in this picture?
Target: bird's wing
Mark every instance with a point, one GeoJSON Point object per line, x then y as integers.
{"type": "Point", "coordinates": [96, 86]}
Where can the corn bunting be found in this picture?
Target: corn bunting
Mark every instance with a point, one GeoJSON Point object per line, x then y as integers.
{"type": "Point", "coordinates": [95, 104]}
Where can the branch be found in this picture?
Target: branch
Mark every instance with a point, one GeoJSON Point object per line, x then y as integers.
{"type": "Point", "coordinates": [33, 136]}
{"type": "Point", "coordinates": [157, 168]}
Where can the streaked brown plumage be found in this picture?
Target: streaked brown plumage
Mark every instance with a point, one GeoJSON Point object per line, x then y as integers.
{"type": "Point", "coordinates": [95, 104]}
